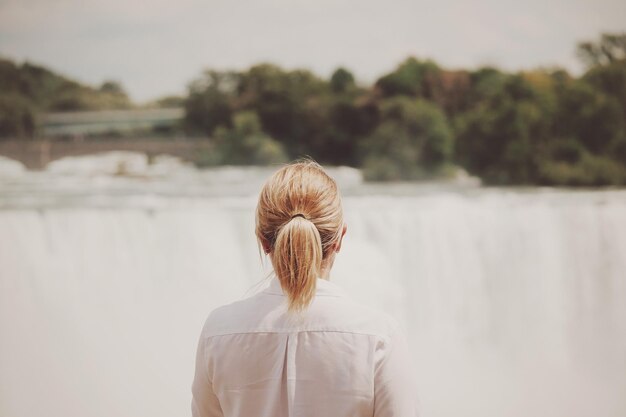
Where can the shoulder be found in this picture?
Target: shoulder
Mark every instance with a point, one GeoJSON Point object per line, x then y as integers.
{"type": "Point", "coordinates": [347, 314]}
{"type": "Point", "coordinates": [230, 317]}
{"type": "Point", "coordinates": [268, 313]}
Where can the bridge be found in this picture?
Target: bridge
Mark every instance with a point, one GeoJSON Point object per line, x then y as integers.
{"type": "Point", "coordinates": [67, 134]}
{"type": "Point", "coordinates": [85, 123]}
{"type": "Point", "coordinates": [36, 154]}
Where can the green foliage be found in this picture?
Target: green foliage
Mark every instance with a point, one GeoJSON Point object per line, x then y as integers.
{"type": "Point", "coordinates": [112, 87]}
{"type": "Point", "coordinates": [618, 150]}
{"type": "Point", "coordinates": [290, 104]}
{"type": "Point", "coordinates": [542, 126]}
{"type": "Point", "coordinates": [587, 114]}
{"type": "Point", "coordinates": [348, 122]}
{"type": "Point", "coordinates": [74, 97]}
{"type": "Point", "coordinates": [17, 119]}
{"type": "Point", "coordinates": [486, 84]}
{"type": "Point", "coordinates": [448, 89]}
{"type": "Point", "coordinates": [498, 139]}
{"type": "Point", "coordinates": [48, 91]}
{"type": "Point", "coordinates": [302, 112]}
{"type": "Point", "coordinates": [244, 144]}
{"type": "Point", "coordinates": [209, 102]}
{"type": "Point", "coordinates": [408, 79]}
{"type": "Point", "coordinates": [588, 170]}
{"type": "Point", "coordinates": [341, 81]}
{"type": "Point", "coordinates": [610, 79]}
{"type": "Point", "coordinates": [569, 151]}
{"type": "Point", "coordinates": [27, 90]}
{"type": "Point", "coordinates": [168, 102]}
{"type": "Point", "coordinates": [609, 49]}
{"type": "Point", "coordinates": [412, 141]}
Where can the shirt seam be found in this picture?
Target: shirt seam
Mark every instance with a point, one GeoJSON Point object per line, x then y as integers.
{"type": "Point", "coordinates": [286, 331]}
{"type": "Point", "coordinates": [317, 295]}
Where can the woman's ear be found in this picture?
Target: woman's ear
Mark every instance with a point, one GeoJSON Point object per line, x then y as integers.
{"type": "Point", "coordinates": [266, 246]}
{"type": "Point", "coordinates": [343, 232]}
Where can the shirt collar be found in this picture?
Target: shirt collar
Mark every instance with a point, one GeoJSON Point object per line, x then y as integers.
{"type": "Point", "coordinates": [323, 287]}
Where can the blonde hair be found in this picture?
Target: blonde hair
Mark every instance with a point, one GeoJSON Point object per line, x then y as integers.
{"type": "Point", "coordinates": [298, 217]}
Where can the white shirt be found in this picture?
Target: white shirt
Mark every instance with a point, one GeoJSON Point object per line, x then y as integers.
{"type": "Point", "coordinates": [337, 359]}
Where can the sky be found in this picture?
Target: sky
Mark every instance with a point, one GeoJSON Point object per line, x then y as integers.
{"type": "Point", "coordinates": [155, 48]}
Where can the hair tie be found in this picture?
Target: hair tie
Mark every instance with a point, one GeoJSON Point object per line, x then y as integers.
{"type": "Point", "coordinates": [299, 215]}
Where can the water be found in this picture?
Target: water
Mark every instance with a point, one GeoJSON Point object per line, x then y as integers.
{"type": "Point", "coordinates": [513, 300]}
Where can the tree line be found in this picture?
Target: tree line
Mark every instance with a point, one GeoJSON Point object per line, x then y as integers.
{"type": "Point", "coordinates": [27, 90]}
{"type": "Point", "coordinates": [419, 121]}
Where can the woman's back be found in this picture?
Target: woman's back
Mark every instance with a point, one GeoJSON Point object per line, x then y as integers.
{"type": "Point", "coordinates": [301, 348]}
{"type": "Point", "coordinates": [335, 359]}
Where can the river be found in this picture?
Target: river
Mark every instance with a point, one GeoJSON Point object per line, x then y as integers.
{"type": "Point", "coordinates": [513, 299]}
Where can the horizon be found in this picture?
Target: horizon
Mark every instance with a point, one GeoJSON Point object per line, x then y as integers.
{"type": "Point", "coordinates": [154, 49]}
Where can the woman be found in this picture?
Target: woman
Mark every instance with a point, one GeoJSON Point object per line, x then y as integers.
{"type": "Point", "coordinates": [301, 347]}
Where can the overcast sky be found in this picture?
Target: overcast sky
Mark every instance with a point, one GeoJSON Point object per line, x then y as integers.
{"type": "Point", "coordinates": [156, 47]}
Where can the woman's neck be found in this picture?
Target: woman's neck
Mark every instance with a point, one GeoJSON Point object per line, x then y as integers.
{"type": "Point", "coordinates": [327, 264]}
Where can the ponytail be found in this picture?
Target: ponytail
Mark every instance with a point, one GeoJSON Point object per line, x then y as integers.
{"type": "Point", "coordinates": [298, 220]}
{"type": "Point", "coordinates": [297, 260]}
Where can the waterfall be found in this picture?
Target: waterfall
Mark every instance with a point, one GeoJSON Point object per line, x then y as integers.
{"type": "Point", "coordinates": [514, 301]}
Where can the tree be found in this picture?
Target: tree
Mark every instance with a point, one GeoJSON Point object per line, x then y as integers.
{"type": "Point", "coordinates": [349, 121]}
{"type": "Point", "coordinates": [408, 79]}
{"type": "Point", "coordinates": [448, 89]}
{"type": "Point", "coordinates": [609, 49]}
{"type": "Point", "coordinates": [584, 113]}
{"type": "Point", "coordinates": [245, 144]}
{"type": "Point", "coordinates": [112, 87]}
{"type": "Point", "coordinates": [292, 105]}
{"type": "Point", "coordinates": [17, 119]}
{"type": "Point", "coordinates": [500, 137]}
{"type": "Point", "coordinates": [169, 101]}
{"type": "Point", "coordinates": [209, 103]}
{"type": "Point", "coordinates": [412, 141]}
{"type": "Point", "coordinates": [341, 81]}
{"type": "Point", "coordinates": [610, 79]}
